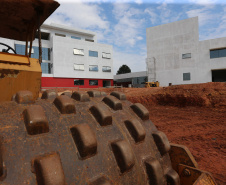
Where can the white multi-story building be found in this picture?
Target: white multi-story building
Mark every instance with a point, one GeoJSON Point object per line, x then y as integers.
{"type": "Point", "coordinates": [70, 57]}
{"type": "Point", "coordinates": [175, 54]}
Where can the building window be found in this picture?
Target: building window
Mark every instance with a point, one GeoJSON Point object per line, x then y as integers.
{"type": "Point", "coordinates": [46, 68]}
{"type": "Point", "coordinates": [74, 37]}
{"type": "Point", "coordinates": [217, 53]}
{"type": "Point", "coordinates": [186, 76]}
{"type": "Point", "coordinates": [89, 40]}
{"type": "Point", "coordinates": [79, 52]}
{"type": "Point", "coordinates": [106, 69]}
{"type": "Point", "coordinates": [93, 68]}
{"type": "Point", "coordinates": [20, 49]}
{"type": "Point", "coordinates": [186, 55]}
{"type": "Point", "coordinates": [106, 55]}
{"type": "Point", "coordinates": [60, 35]}
{"type": "Point", "coordinates": [78, 82]}
{"type": "Point", "coordinates": [79, 67]}
{"type": "Point", "coordinates": [44, 35]}
{"type": "Point", "coordinates": [139, 80]}
{"type": "Point", "coordinates": [93, 82]}
{"type": "Point", "coordinates": [45, 53]}
{"type": "Point", "coordinates": [93, 53]}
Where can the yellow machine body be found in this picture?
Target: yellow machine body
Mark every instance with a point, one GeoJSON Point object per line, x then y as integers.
{"type": "Point", "coordinates": [18, 72]}
{"type": "Point", "coordinates": [151, 84]}
{"type": "Point", "coordinates": [20, 21]}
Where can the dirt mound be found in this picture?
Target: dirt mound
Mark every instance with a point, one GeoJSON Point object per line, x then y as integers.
{"type": "Point", "coordinates": [202, 95]}
{"type": "Point", "coordinates": [211, 94]}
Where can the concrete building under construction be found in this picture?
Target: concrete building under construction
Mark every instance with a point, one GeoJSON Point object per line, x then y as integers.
{"type": "Point", "coordinates": [70, 57]}
{"type": "Point", "coordinates": [176, 56]}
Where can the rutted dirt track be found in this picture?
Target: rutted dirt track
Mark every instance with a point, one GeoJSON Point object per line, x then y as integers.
{"type": "Point", "coordinates": [191, 115]}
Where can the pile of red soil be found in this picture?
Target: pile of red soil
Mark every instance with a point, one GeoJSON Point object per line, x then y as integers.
{"type": "Point", "coordinates": [202, 95]}
{"type": "Point", "coordinates": [211, 94]}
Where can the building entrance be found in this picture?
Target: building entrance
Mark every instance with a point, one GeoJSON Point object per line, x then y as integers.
{"type": "Point", "coordinates": [106, 83]}
{"type": "Point", "coordinates": [219, 75]}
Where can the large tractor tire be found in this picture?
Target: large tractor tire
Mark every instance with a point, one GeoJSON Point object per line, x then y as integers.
{"type": "Point", "coordinates": [81, 138]}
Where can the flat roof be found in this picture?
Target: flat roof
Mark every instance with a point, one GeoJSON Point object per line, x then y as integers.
{"type": "Point", "coordinates": [67, 29]}
{"type": "Point", "coordinates": [130, 75]}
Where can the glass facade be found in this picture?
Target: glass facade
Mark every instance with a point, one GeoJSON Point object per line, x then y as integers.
{"type": "Point", "coordinates": [74, 37]}
{"type": "Point", "coordinates": [79, 52]}
{"type": "Point", "coordinates": [187, 55]}
{"type": "Point", "coordinates": [46, 68]}
{"type": "Point", "coordinates": [217, 53]}
{"type": "Point", "coordinates": [106, 55]}
{"type": "Point", "coordinates": [93, 82]}
{"type": "Point", "coordinates": [93, 53]}
{"type": "Point", "coordinates": [106, 69]}
{"type": "Point", "coordinates": [93, 68]}
{"type": "Point", "coordinates": [78, 82]}
{"type": "Point", "coordinates": [79, 67]}
{"type": "Point", "coordinates": [20, 49]}
{"type": "Point", "coordinates": [139, 80]}
{"type": "Point", "coordinates": [186, 76]}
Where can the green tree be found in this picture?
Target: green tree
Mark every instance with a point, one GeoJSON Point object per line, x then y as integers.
{"type": "Point", "coordinates": [123, 69]}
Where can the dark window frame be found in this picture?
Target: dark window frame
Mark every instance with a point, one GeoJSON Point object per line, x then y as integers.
{"type": "Point", "coordinates": [217, 53]}
{"type": "Point", "coordinates": [93, 84]}
{"type": "Point", "coordinates": [60, 34]}
{"type": "Point", "coordinates": [75, 37]}
{"type": "Point", "coordinates": [91, 53]}
{"type": "Point", "coordinates": [187, 76]}
{"type": "Point", "coordinates": [89, 40]}
{"type": "Point", "coordinates": [107, 71]}
{"type": "Point", "coordinates": [186, 55]}
{"type": "Point", "coordinates": [77, 80]}
{"type": "Point", "coordinates": [95, 66]}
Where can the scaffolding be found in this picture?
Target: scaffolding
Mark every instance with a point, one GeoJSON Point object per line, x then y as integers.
{"type": "Point", "coordinates": [151, 69]}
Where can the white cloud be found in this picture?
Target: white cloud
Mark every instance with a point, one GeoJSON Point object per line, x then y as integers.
{"type": "Point", "coordinates": [163, 13]}
{"type": "Point", "coordinates": [217, 31]}
{"type": "Point", "coordinates": [79, 15]}
{"type": "Point", "coordinates": [204, 13]}
{"type": "Point", "coordinates": [153, 15]}
{"type": "Point", "coordinates": [126, 32]}
{"type": "Point", "coordinates": [138, 1]}
{"type": "Point", "coordinates": [139, 38]}
{"type": "Point", "coordinates": [203, 2]}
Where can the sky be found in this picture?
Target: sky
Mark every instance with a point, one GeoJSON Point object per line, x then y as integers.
{"type": "Point", "coordinates": [123, 23]}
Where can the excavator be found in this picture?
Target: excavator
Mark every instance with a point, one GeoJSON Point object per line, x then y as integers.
{"type": "Point", "coordinates": [75, 138]}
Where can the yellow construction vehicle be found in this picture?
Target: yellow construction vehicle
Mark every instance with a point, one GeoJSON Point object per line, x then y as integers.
{"type": "Point", "coordinates": [151, 84]}
{"type": "Point", "coordinates": [20, 21]}
{"type": "Point", "coordinates": [80, 137]}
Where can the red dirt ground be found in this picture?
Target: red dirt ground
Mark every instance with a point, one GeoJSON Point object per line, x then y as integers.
{"type": "Point", "coordinates": [191, 115]}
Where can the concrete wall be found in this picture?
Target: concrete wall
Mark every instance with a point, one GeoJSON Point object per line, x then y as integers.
{"type": "Point", "coordinates": [166, 44]}
{"type": "Point", "coordinates": [64, 59]}
{"type": "Point", "coordinates": [62, 55]}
